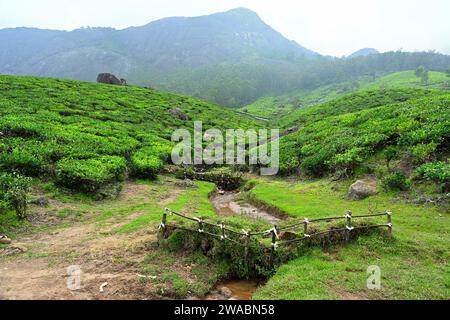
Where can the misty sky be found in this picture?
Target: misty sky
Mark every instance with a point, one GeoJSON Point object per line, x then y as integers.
{"type": "Point", "coordinates": [327, 26]}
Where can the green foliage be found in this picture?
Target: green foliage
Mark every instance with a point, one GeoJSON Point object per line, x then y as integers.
{"type": "Point", "coordinates": [146, 163]}
{"type": "Point", "coordinates": [423, 152]}
{"type": "Point", "coordinates": [435, 171]}
{"type": "Point", "coordinates": [396, 182]}
{"type": "Point", "coordinates": [60, 129]}
{"type": "Point", "coordinates": [422, 73]}
{"type": "Point", "coordinates": [278, 107]}
{"type": "Point", "coordinates": [14, 189]}
{"type": "Point", "coordinates": [91, 174]}
{"type": "Point", "coordinates": [346, 132]}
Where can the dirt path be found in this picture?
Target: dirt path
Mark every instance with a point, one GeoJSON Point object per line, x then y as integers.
{"type": "Point", "coordinates": [102, 256]}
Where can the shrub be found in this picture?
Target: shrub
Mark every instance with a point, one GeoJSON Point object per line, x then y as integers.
{"type": "Point", "coordinates": [14, 189]}
{"type": "Point", "coordinates": [91, 174]}
{"type": "Point", "coordinates": [395, 181]}
{"type": "Point", "coordinates": [422, 152]}
{"type": "Point", "coordinates": [147, 162]}
{"type": "Point", "coordinates": [435, 171]}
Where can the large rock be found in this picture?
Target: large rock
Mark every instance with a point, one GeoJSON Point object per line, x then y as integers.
{"type": "Point", "coordinates": [178, 113]}
{"type": "Point", "coordinates": [225, 291]}
{"type": "Point", "coordinates": [109, 78]}
{"type": "Point", "coordinates": [362, 189]}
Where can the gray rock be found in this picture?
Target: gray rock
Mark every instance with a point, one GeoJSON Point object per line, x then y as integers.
{"type": "Point", "coordinates": [109, 78]}
{"type": "Point", "coordinates": [362, 189]}
{"type": "Point", "coordinates": [225, 291]}
{"type": "Point", "coordinates": [178, 113]}
{"type": "Point", "coordinates": [41, 201]}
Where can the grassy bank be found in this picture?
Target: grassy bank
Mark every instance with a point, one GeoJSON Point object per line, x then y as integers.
{"type": "Point", "coordinates": [413, 264]}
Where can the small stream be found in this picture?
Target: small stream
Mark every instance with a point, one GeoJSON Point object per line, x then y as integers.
{"type": "Point", "coordinates": [227, 204]}
{"type": "Point", "coordinates": [232, 290]}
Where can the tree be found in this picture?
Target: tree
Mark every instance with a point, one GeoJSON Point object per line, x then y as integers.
{"type": "Point", "coordinates": [422, 73]}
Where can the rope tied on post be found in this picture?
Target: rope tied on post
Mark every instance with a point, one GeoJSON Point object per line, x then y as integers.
{"type": "Point", "coordinates": [200, 225]}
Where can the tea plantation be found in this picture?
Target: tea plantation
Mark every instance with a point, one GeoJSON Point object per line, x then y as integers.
{"type": "Point", "coordinates": [85, 136]}
{"type": "Point", "coordinates": [375, 131]}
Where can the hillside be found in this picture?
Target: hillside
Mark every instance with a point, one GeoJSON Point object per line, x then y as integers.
{"type": "Point", "coordinates": [86, 136]}
{"type": "Point", "coordinates": [391, 133]}
{"type": "Point", "coordinates": [276, 107]}
{"type": "Point", "coordinates": [79, 141]}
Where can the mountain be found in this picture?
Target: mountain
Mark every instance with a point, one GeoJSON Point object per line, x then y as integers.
{"type": "Point", "coordinates": [231, 58]}
{"type": "Point", "coordinates": [140, 53]}
{"type": "Point", "coordinates": [363, 52]}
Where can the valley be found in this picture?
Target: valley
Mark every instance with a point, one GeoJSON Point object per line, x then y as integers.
{"type": "Point", "coordinates": [94, 161]}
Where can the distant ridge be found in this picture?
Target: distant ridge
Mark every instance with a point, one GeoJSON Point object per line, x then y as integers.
{"type": "Point", "coordinates": [363, 52]}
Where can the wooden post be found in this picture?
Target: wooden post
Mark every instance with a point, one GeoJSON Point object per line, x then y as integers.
{"type": "Point", "coordinates": [274, 244]}
{"type": "Point", "coordinates": [349, 226]}
{"type": "Point", "coordinates": [200, 226]}
{"type": "Point", "coordinates": [389, 223]}
{"type": "Point", "coordinates": [163, 228]}
{"type": "Point", "coordinates": [222, 226]}
{"type": "Point", "coordinates": [247, 245]}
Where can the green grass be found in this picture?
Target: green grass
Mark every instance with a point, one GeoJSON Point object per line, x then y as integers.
{"type": "Point", "coordinates": [413, 263]}
{"type": "Point", "coordinates": [191, 201]}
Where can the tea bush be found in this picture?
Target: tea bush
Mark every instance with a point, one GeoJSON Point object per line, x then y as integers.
{"type": "Point", "coordinates": [91, 174]}
{"type": "Point", "coordinates": [14, 189]}
{"type": "Point", "coordinates": [395, 181]}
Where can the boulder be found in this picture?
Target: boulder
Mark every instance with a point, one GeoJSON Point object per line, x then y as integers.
{"type": "Point", "coordinates": [41, 201]}
{"type": "Point", "coordinates": [362, 189]}
{"type": "Point", "coordinates": [225, 291]}
{"type": "Point", "coordinates": [109, 78]}
{"type": "Point", "coordinates": [178, 113]}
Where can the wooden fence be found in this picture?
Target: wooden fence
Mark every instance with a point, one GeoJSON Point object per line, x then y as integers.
{"type": "Point", "coordinates": [224, 233]}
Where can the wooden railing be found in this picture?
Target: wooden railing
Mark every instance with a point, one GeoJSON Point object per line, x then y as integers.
{"type": "Point", "coordinates": [225, 233]}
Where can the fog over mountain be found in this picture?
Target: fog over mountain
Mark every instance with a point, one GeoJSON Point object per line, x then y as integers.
{"type": "Point", "coordinates": [231, 58]}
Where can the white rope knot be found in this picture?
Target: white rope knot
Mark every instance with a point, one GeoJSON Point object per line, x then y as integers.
{"type": "Point", "coordinates": [349, 228]}
{"type": "Point", "coordinates": [307, 236]}
{"type": "Point", "coordinates": [162, 226]}
{"type": "Point", "coordinates": [389, 213]}
{"type": "Point", "coordinates": [201, 230]}
{"type": "Point", "coordinates": [245, 233]}
{"type": "Point", "coordinates": [306, 221]}
{"type": "Point", "coordinates": [221, 226]}
{"type": "Point", "coordinates": [198, 220]}
{"type": "Point", "coordinates": [348, 216]}
{"type": "Point", "coordinates": [223, 237]}
{"type": "Point", "coordinates": [274, 246]}
{"type": "Point", "coordinates": [389, 225]}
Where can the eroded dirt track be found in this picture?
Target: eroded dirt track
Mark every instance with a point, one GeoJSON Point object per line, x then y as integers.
{"type": "Point", "coordinates": [101, 254]}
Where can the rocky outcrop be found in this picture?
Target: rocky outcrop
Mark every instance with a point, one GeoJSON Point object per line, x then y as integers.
{"type": "Point", "coordinates": [362, 189]}
{"type": "Point", "coordinates": [109, 78]}
{"type": "Point", "coordinates": [178, 113]}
